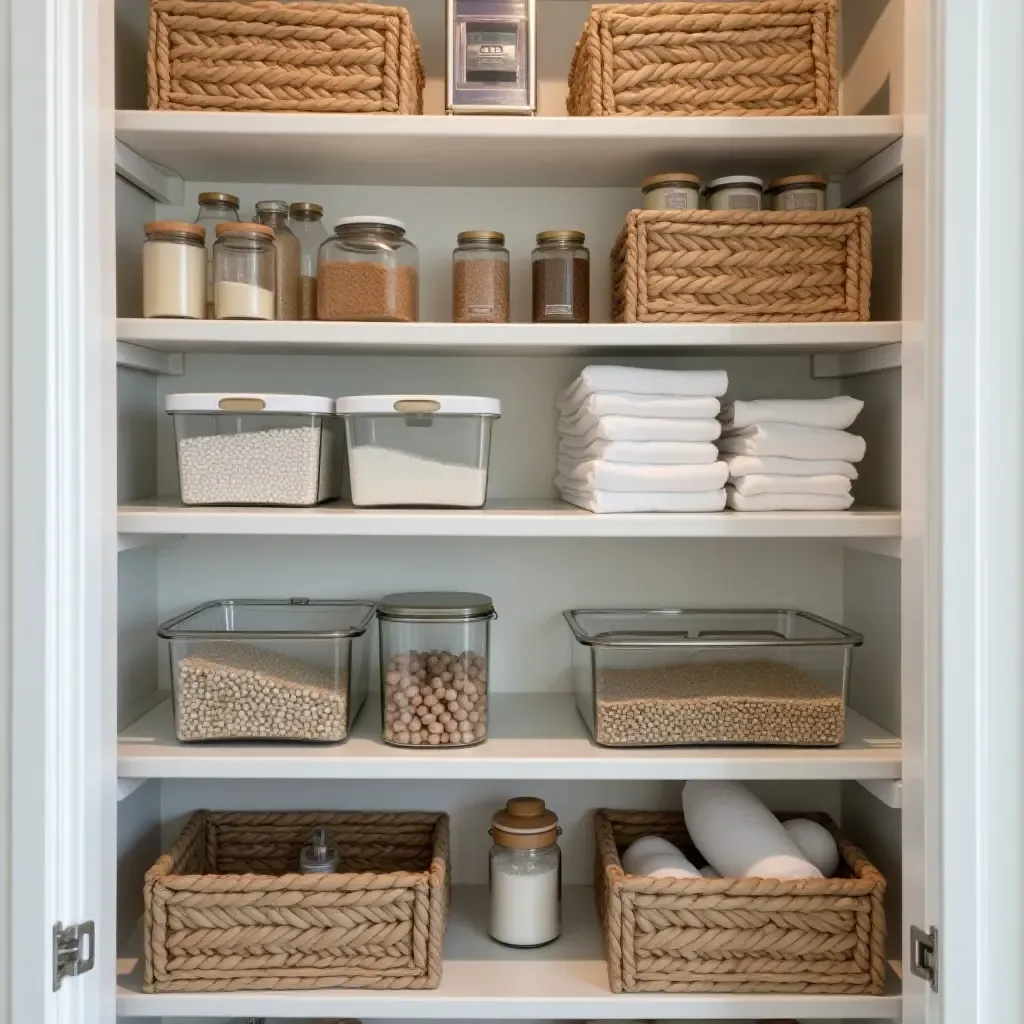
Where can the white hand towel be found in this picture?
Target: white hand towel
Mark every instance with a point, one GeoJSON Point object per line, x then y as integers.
{"type": "Point", "coordinates": [643, 501]}
{"type": "Point", "coordinates": [746, 465]}
{"type": "Point", "coordinates": [794, 442]}
{"type": "Point", "coordinates": [788, 502]}
{"type": "Point", "coordinates": [657, 453]}
{"type": "Point", "coordinates": [635, 428]}
{"type": "Point", "coordinates": [836, 413]}
{"type": "Point", "coordinates": [770, 483]}
{"type": "Point", "coordinates": [669, 407]}
{"type": "Point", "coordinates": [595, 474]}
{"type": "Point", "coordinates": [689, 383]}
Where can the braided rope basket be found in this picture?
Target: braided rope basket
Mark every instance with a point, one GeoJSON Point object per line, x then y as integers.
{"type": "Point", "coordinates": [773, 57]}
{"type": "Point", "coordinates": [740, 265]}
{"type": "Point", "coordinates": [224, 909]}
{"type": "Point", "coordinates": [266, 55]}
{"type": "Point", "coordinates": [737, 934]}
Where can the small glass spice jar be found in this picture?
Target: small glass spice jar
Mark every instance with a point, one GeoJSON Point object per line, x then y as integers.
{"type": "Point", "coordinates": [368, 270]}
{"type": "Point", "coordinates": [736, 192]}
{"type": "Point", "coordinates": [525, 874]}
{"type": "Point", "coordinates": [674, 191]}
{"type": "Point", "coordinates": [274, 213]}
{"type": "Point", "coordinates": [561, 278]}
{"type": "Point", "coordinates": [307, 226]}
{"type": "Point", "coordinates": [799, 192]}
{"type": "Point", "coordinates": [214, 208]}
{"type": "Point", "coordinates": [174, 270]}
{"type": "Point", "coordinates": [434, 668]}
{"type": "Point", "coordinates": [244, 272]}
{"type": "Point", "coordinates": [480, 278]}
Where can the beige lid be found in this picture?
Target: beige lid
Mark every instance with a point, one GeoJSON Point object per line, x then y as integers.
{"type": "Point", "coordinates": [561, 235]}
{"type": "Point", "coordinates": [218, 197]}
{"type": "Point", "coordinates": [799, 181]}
{"type": "Point", "coordinates": [177, 226]}
{"type": "Point", "coordinates": [235, 228]}
{"type": "Point", "coordinates": [525, 824]}
{"type": "Point", "coordinates": [675, 178]}
{"type": "Point", "coordinates": [479, 235]}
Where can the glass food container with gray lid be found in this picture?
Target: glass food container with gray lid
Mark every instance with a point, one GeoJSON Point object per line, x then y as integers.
{"type": "Point", "coordinates": [293, 669]}
{"type": "Point", "coordinates": [435, 667]}
{"type": "Point", "coordinates": [676, 676]}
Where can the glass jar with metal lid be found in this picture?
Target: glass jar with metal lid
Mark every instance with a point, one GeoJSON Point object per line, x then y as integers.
{"type": "Point", "coordinates": [274, 213]}
{"type": "Point", "coordinates": [435, 667]}
{"type": "Point", "coordinates": [672, 191]}
{"type": "Point", "coordinates": [561, 278]}
{"type": "Point", "coordinates": [799, 192]}
{"type": "Point", "coordinates": [244, 272]}
{"type": "Point", "coordinates": [735, 192]}
{"type": "Point", "coordinates": [214, 208]}
{"type": "Point", "coordinates": [307, 226]}
{"type": "Point", "coordinates": [525, 874]}
{"type": "Point", "coordinates": [480, 278]}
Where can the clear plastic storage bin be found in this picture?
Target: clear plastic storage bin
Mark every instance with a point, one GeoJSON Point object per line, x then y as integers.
{"type": "Point", "coordinates": [269, 670]}
{"type": "Point", "coordinates": [672, 677]}
{"type": "Point", "coordinates": [428, 450]}
{"type": "Point", "coordinates": [245, 449]}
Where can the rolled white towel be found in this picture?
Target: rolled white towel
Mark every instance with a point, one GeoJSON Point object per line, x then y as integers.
{"type": "Point", "coordinates": [652, 855]}
{"type": "Point", "coordinates": [648, 453]}
{"type": "Point", "coordinates": [837, 413]}
{"type": "Point", "coordinates": [771, 483]}
{"type": "Point", "coordinates": [637, 428]}
{"type": "Point", "coordinates": [634, 381]}
{"type": "Point", "coordinates": [667, 407]}
{"type": "Point", "coordinates": [738, 836]}
{"type": "Point", "coordinates": [598, 501]}
{"type": "Point", "coordinates": [794, 442]}
{"type": "Point", "coordinates": [596, 474]}
{"type": "Point", "coordinates": [748, 465]}
{"type": "Point", "coordinates": [816, 842]}
{"type": "Point", "coordinates": [709, 872]}
{"type": "Point", "coordinates": [787, 502]}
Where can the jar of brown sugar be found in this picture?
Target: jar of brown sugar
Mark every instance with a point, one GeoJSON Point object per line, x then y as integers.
{"type": "Point", "coordinates": [368, 270]}
{"type": "Point", "coordinates": [561, 278]}
{"type": "Point", "coordinates": [480, 278]}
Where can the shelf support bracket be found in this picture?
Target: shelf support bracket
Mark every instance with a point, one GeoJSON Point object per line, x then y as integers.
{"type": "Point", "coordinates": [125, 787]}
{"type": "Point", "coordinates": [852, 364]}
{"type": "Point", "coordinates": [135, 357]}
{"type": "Point", "coordinates": [161, 184]}
{"type": "Point", "coordinates": [889, 791]}
{"type": "Point", "coordinates": [871, 174]}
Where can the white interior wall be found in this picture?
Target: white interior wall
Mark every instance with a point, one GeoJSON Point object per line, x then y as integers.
{"type": "Point", "coordinates": [871, 62]}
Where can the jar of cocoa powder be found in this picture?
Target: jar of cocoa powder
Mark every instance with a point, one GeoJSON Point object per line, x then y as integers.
{"type": "Point", "coordinates": [561, 278]}
{"type": "Point", "coordinates": [480, 278]}
{"type": "Point", "coordinates": [368, 270]}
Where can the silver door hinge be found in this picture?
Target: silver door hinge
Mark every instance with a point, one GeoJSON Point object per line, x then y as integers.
{"type": "Point", "coordinates": [924, 955]}
{"type": "Point", "coordinates": [74, 950]}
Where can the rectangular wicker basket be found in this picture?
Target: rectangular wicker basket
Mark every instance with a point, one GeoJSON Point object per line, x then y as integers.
{"type": "Point", "coordinates": [225, 909]}
{"type": "Point", "coordinates": [737, 934]}
{"type": "Point", "coordinates": [271, 56]}
{"type": "Point", "coordinates": [739, 266]}
{"type": "Point", "coordinates": [773, 57]}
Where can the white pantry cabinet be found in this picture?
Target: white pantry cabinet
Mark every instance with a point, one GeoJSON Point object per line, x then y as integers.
{"type": "Point", "coordinates": [927, 565]}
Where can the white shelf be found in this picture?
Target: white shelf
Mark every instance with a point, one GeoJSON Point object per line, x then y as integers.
{"type": "Point", "coordinates": [327, 149]}
{"type": "Point", "coordinates": [496, 519]}
{"type": "Point", "coordinates": [532, 737]}
{"type": "Point", "coordinates": [482, 979]}
{"type": "Point", "coordinates": [854, 341]}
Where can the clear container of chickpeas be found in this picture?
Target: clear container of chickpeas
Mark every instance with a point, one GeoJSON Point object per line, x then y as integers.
{"type": "Point", "coordinates": [435, 668]}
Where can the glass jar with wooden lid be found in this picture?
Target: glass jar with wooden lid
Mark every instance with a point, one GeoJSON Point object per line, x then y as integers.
{"type": "Point", "coordinates": [480, 292]}
{"type": "Point", "coordinates": [672, 191]}
{"type": "Point", "coordinates": [561, 278]}
{"type": "Point", "coordinates": [799, 192]}
{"type": "Point", "coordinates": [174, 270]}
{"type": "Point", "coordinates": [244, 272]}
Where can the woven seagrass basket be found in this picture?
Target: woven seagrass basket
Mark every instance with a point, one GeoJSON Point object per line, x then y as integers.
{"type": "Point", "coordinates": [739, 266]}
{"type": "Point", "coordinates": [774, 57]}
{"type": "Point", "coordinates": [815, 935]}
{"type": "Point", "coordinates": [225, 910]}
{"type": "Point", "coordinates": [271, 56]}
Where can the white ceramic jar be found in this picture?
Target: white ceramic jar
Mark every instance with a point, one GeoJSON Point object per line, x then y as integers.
{"type": "Point", "coordinates": [672, 191]}
{"type": "Point", "coordinates": [735, 192]}
{"type": "Point", "coordinates": [805, 193]}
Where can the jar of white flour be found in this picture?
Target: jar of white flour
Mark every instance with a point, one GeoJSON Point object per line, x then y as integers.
{"type": "Point", "coordinates": [525, 874]}
{"type": "Point", "coordinates": [174, 270]}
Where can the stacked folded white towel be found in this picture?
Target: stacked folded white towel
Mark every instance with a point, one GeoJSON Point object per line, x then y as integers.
{"type": "Point", "coordinates": [791, 454]}
{"type": "Point", "coordinates": [633, 440]}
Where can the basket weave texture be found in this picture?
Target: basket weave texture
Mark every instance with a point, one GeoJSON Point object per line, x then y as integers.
{"type": "Point", "coordinates": [774, 57]}
{"type": "Point", "coordinates": [271, 56]}
{"type": "Point", "coordinates": [815, 935]}
{"type": "Point", "coordinates": [739, 266]}
{"type": "Point", "coordinates": [224, 909]}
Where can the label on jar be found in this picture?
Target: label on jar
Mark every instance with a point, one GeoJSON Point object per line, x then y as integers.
{"type": "Point", "coordinates": [743, 202]}
{"type": "Point", "coordinates": [669, 198]}
{"type": "Point", "coordinates": [481, 310]}
{"type": "Point", "coordinates": [805, 201]}
{"type": "Point", "coordinates": [558, 309]}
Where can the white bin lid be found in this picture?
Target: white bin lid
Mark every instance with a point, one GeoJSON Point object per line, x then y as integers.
{"type": "Point", "coordinates": [404, 405]}
{"type": "Point", "coordinates": [249, 402]}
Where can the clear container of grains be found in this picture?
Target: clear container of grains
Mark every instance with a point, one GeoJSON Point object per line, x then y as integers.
{"type": "Point", "coordinates": [244, 272]}
{"type": "Point", "coordinates": [308, 227]}
{"type": "Point", "coordinates": [269, 670]}
{"type": "Point", "coordinates": [434, 668]}
{"type": "Point", "coordinates": [368, 270]}
{"type": "Point", "coordinates": [674, 677]}
{"type": "Point", "coordinates": [255, 449]}
{"type": "Point", "coordinates": [480, 278]}
{"type": "Point", "coordinates": [430, 450]}
{"type": "Point", "coordinates": [561, 278]}
{"type": "Point", "coordinates": [274, 214]}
